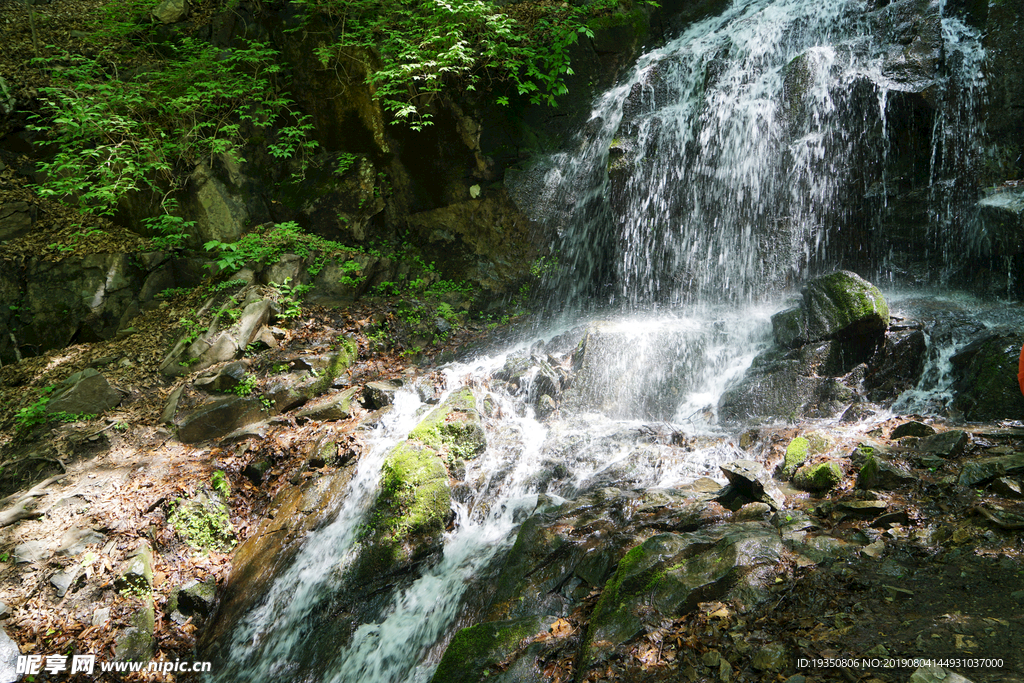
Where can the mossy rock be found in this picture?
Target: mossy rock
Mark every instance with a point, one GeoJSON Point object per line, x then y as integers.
{"type": "Point", "coordinates": [843, 305]}
{"type": "Point", "coordinates": [408, 518]}
{"type": "Point", "coordinates": [454, 427]}
{"type": "Point", "coordinates": [985, 377]}
{"type": "Point", "coordinates": [476, 649]}
{"type": "Point", "coordinates": [203, 522]}
{"type": "Point", "coordinates": [797, 453]}
{"type": "Point", "coordinates": [818, 477]}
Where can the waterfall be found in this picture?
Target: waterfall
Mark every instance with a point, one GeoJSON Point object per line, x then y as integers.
{"type": "Point", "coordinates": [751, 150]}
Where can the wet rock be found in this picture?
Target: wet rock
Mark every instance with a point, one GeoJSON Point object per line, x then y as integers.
{"type": "Point", "coordinates": [752, 480]}
{"type": "Point", "coordinates": [985, 377]}
{"type": "Point", "coordinates": [949, 444]}
{"type": "Point", "coordinates": [339, 406]}
{"type": "Point", "coordinates": [985, 469]}
{"type": "Point", "coordinates": [912, 428]}
{"type": "Point", "coordinates": [74, 541]}
{"type": "Point", "coordinates": [818, 477]}
{"type": "Point", "coordinates": [876, 473]}
{"type": "Point", "coordinates": [752, 512]}
{"type": "Point", "coordinates": [16, 219]}
{"type": "Point", "coordinates": [256, 470]}
{"type": "Point", "coordinates": [135, 643]}
{"type": "Point", "coordinates": [475, 650]}
{"type": "Point", "coordinates": [788, 328]}
{"type": "Point", "coordinates": [219, 418]}
{"type": "Point", "coordinates": [858, 412]}
{"type": "Point", "coordinates": [379, 394]}
{"type": "Point", "coordinates": [87, 392]}
{"type": "Point", "coordinates": [889, 519]}
{"type": "Point", "coordinates": [844, 306]}
{"type": "Point", "coordinates": [669, 573]}
{"type": "Point", "coordinates": [454, 426]}
{"type": "Point", "coordinates": [797, 453]}
{"type": "Point", "coordinates": [9, 653]}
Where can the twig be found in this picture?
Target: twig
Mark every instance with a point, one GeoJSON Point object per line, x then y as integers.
{"type": "Point", "coordinates": [977, 509]}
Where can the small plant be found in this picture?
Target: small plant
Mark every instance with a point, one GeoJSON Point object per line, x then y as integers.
{"type": "Point", "coordinates": [289, 297]}
{"type": "Point", "coordinates": [246, 386]}
{"type": "Point", "coordinates": [220, 484]}
{"type": "Point", "coordinates": [5, 557]}
{"type": "Point", "coordinates": [173, 292]}
{"type": "Point", "coordinates": [34, 414]}
{"type": "Point", "coordinates": [351, 277]}
{"type": "Point", "coordinates": [279, 368]}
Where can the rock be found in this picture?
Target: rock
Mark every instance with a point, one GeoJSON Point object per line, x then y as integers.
{"type": "Point", "coordinates": [100, 616]}
{"type": "Point", "coordinates": [753, 481]}
{"type": "Point", "coordinates": [74, 541]}
{"type": "Point", "coordinates": [256, 470]}
{"type": "Point", "coordinates": [844, 306]}
{"type": "Point", "coordinates": [9, 653]}
{"type": "Point", "coordinates": [84, 392]}
{"type": "Point", "coordinates": [979, 471]}
{"type": "Point", "coordinates": [771, 657]}
{"type": "Point", "coordinates": [818, 477]}
{"type": "Point", "coordinates": [912, 428]}
{"type": "Point", "coordinates": [31, 551]}
{"type": "Point", "coordinates": [876, 473]}
{"type": "Point", "coordinates": [476, 649]}
{"type": "Point", "coordinates": [897, 365]}
{"type": "Point", "coordinates": [668, 574]}
{"type": "Point", "coordinates": [985, 377]}
{"type": "Point", "coordinates": [219, 418]}
{"type": "Point", "coordinates": [221, 214]}
{"type": "Point", "coordinates": [454, 426]}
{"type": "Point", "coordinates": [16, 220]}
{"type": "Point", "coordinates": [225, 379]}
{"type": "Point", "coordinates": [796, 453]}
{"type": "Point", "coordinates": [197, 597]}
{"type": "Point", "coordinates": [874, 550]}
{"type": "Point", "coordinates": [379, 394]}
{"type": "Point", "coordinates": [861, 509]}
{"type": "Point", "coordinates": [1010, 488]}
{"type": "Point", "coordinates": [949, 444]}
{"type": "Point", "coordinates": [63, 580]}
{"type": "Point", "coordinates": [170, 11]}
{"type": "Point", "coordinates": [752, 512]}
{"type": "Point", "coordinates": [135, 643]}
{"type": "Point", "coordinates": [788, 328]}
{"type": "Point", "coordinates": [936, 674]}
{"type": "Point", "coordinates": [5, 611]}
{"type": "Point", "coordinates": [137, 574]}
{"type": "Point", "coordinates": [171, 409]}
{"type": "Point", "coordinates": [892, 518]}
{"type": "Point", "coordinates": [339, 406]}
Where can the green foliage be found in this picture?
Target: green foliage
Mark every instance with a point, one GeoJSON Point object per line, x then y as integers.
{"type": "Point", "coordinates": [428, 45]}
{"type": "Point", "coordinates": [170, 229]}
{"type": "Point", "coordinates": [269, 245]}
{"type": "Point", "coordinates": [344, 163]}
{"type": "Point", "coordinates": [246, 386]}
{"type": "Point", "coordinates": [34, 414]}
{"type": "Point", "coordinates": [122, 130]}
{"type": "Point", "coordinates": [351, 277]}
{"type": "Point", "coordinates": [220, 484]}
{"type": "Point", "coordinates": [289, 297]}
{"type": "Point", "coordinates": [205, 525]}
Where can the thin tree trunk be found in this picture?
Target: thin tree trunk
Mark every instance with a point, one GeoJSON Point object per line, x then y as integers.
{"type": "Point", "coordinates": [32, 23]}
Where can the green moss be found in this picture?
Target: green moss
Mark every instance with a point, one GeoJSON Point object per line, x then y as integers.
{"type": "Point", "coordinates": [340, 361]}
{"type": "Point", "coordinates": [475, 649]}
{"type": "Point", "coordinates": [854, 298]}
{"type": "Point", "coordinates": [821, 477]}
{"type": "Point", "coordinates": [868, 472]}
{"type": "Point", "coordinates": [796, 454]}
{"type": "Point", "coordinates": [453, 427]}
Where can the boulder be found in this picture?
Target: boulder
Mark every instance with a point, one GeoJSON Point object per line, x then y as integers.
{"type": "Point", "coordinates": [897, 365]}
{"type": "Point", "coordinates": [985, 377]}
{"type": "Point", "coordinates": [338, 406]}
{"type": "Point", "coordinates": [197, 597]}
{"type": "Point", "coordinates": [844, 306]}
{"type": "Point", "coordinates": [379, 394]}
{"type": "Point", "coordinates": [668, 574]}
{"type": "Point", "coordinates": [170, 11]}
{"type": "Point", "coordinates": [454, 427]}
{"type": "Point", "coordinates": [475, 650]}
{"type": "Point", "coordinates": [818, 477]}
{"type": "Point", "coordinates": [752, 481]}
{"type": "Point", "coordinates": [16, 219]}
{"type": "Point", "coordinates": [911, 428]}
{"type": "Point", "coordinates": [135, 643]}
{"type": "Point", "coordinates": [983, 470]}
{"type": "Point", "coordinates": [225, 379]}
{"type": "Point", "coordinates": [876, 473]}
{"type": "Point", "coordinates": [137, 574]}
{"type": "Point", "coordinates": [949, 444]}
{"type": "Point", "coordinates": [218, 418]}
{"type": "Point", "coordinates": [86, 391]}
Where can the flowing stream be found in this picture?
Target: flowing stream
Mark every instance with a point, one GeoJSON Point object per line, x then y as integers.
{"type": "Point", "coordinates": [728, 165]}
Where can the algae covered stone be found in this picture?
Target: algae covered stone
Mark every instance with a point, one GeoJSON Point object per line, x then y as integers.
{"type": "Point", "coordinates": [203, 522]}
{"type": "Point", "coordinates": [822, 476]}
{"type": "Point", "coordinates": [796, 454]}
{"type": "Point", "coordinates": [454, 427]}
{"type": "Point", "coordinates": [477, 648]}
{"type": "Point", "coordinates": [843, 305]}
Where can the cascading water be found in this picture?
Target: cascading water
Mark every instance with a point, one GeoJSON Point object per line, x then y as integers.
{"type": "Point", "coordinates": [729, 164]}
